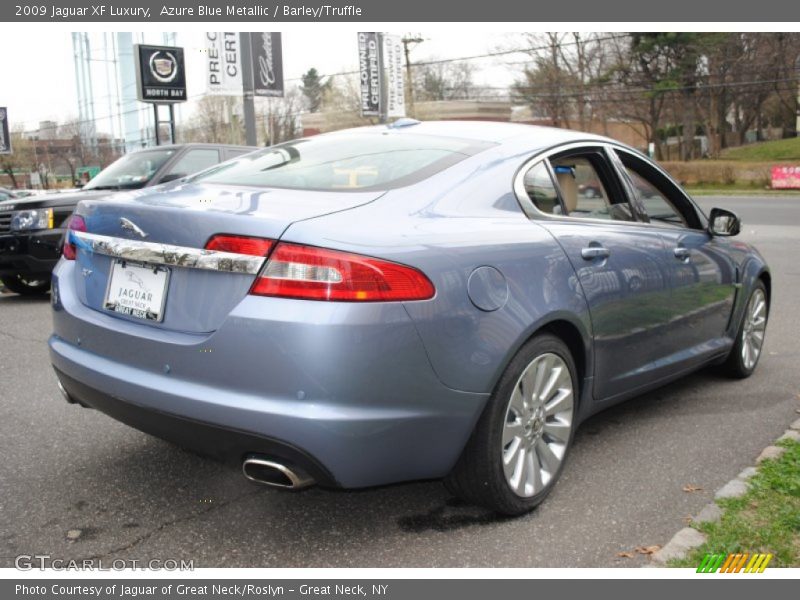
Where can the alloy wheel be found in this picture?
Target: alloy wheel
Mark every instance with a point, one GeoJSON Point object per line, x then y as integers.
{"type": "Point", "coordinates": [538, 425]}
{"type": "Point", "coordinates": [755, 325]}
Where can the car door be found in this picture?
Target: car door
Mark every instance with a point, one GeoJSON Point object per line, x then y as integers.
{"type": "Point", "coordinates": [620, 264]}
{"type": "Point", "coordinates": [702, 274]}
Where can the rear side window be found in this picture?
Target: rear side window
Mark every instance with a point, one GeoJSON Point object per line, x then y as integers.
{"type": "Point", "coordinates": [541, 189]}
{"type": "Point", "coordinates": [583, 193]}
{"type": "Point", "coordinates": [347, 162]}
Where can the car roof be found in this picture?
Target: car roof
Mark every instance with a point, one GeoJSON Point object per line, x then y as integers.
{"type": "Point", "coordinates": [488, 131]}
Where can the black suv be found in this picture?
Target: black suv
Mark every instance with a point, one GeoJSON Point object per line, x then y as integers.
{"type": "Point", "coordinates": [31, 229]}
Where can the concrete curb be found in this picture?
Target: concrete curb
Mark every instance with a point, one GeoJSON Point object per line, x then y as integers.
{"type": "Point", "coordinates": [688, 538]}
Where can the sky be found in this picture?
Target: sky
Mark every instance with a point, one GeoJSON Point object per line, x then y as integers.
{"type": "Point", "coordinates": [41, 84]}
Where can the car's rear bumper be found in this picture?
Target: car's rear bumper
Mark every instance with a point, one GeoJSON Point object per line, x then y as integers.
{"type": "Point", "coordinates": [350, 393]}
{"type": "Point", "coordinates": [30, 253]}
{"type": "Point", "coordinates": [223, 443]}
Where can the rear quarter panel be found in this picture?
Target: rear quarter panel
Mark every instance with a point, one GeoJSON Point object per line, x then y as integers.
{"type": "Point", "coordinates": [448, 226]}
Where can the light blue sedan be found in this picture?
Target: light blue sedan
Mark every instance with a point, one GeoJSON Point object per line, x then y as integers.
{"type": "Point", "coordinates": [402, 302]}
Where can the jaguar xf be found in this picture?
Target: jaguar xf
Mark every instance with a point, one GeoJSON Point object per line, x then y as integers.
{"type": "Point", "coordinates": [402, 302]}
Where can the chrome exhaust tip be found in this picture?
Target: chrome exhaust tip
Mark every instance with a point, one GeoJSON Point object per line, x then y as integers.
{"type": "Point", "coordinates": [269, 472]}
{"type": "Point", "coordinates": [69, 398]}
{"type": "Point", "coordinates": [64, 392]}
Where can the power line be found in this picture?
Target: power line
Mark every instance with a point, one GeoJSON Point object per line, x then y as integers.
{"type": "Point", "coordinates": [539, 91]}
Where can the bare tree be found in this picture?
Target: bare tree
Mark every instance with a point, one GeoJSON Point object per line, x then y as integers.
{"type": "Point", "coordinates": [280, 117]}
{"type": "Point", "coordinates": [560, 82]}
{"type": "Point", "coordinates": [341, 104]}
{"type": "Point", "coordinates": [75, 154]}
{"type": "Point", "coordinates": [437, 81]}
{"type": "Point", "coordinates": [20, 158]}
{"type": "Point", "coordinates": [216, 120]}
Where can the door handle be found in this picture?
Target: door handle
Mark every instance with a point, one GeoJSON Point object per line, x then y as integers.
{"type": "Point", "coordinates": [593, 252]}
{"type": "Point", "coordinates": [681, 253]}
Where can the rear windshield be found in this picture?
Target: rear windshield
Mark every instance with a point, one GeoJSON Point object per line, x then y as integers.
{"type": "Point", "coordinates": [342, 162]}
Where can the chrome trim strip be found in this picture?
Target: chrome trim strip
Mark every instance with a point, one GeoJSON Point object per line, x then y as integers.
{"type": "Point", "coordinates": [167, 254]}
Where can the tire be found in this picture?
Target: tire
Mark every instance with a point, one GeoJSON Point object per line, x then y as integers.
{"type": "Point", "coordinates": [25, 286]}
{"type": "Point", "coordinates": [537, 440]}
{"type": "Point", "coordinates": [746, 351]}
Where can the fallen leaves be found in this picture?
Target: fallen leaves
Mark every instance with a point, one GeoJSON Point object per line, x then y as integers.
{"type": "Point", "coordinates": [646, 550]}
{"type": "Point", "coordinates": [689, 488]}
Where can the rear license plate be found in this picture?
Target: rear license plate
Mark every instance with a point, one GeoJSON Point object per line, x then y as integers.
{"type": "Point", "coordinates": [137, 290]}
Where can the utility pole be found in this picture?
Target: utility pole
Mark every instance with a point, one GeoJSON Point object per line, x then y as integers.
{"type": "Point", "coordinates": [409, 43]}
{"type": "Point", "coordinates": [248, 92]}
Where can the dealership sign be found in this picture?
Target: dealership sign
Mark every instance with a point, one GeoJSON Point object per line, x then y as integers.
{"type": "Point", "coordinates": [223, 63]}
{"type": "Point", "coordinates": [785, 177]}
{"type": "Point", "coordinates": [5, 135]}
{"type": "Point", "coordinates": [160, 73]}
{"type": "Point", "coordinates": [267, 58]}
{"type": "Point", "coordinates": [395, 80]}
{"type": "Point", "coordinates": [369, 67]}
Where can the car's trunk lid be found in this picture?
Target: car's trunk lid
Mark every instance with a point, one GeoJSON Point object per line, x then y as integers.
{"type": "Point", "coordinates": [158, 226]}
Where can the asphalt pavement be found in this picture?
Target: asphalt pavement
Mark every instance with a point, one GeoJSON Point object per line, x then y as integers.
{"type": "Point", "coordinates": [75, 484]}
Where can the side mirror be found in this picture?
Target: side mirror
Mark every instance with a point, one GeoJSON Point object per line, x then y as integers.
{"type": "Point", "coordinates": [723, 222]}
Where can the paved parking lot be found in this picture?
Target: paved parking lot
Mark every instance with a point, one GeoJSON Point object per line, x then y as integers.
{"type": "Point", "coordinates": [123, 494]}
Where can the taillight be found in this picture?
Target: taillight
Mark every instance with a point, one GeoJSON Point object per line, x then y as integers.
{"type": "Point", "coordinates": [76, 223]}
{"type": "Point", "coordinates": [240, 244]}
{"type": "Point", "coordinates": [311, 273]}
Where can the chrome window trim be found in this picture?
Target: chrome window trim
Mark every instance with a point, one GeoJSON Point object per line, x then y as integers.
{"type": "Point", "coordinates": [521, 194]}
{"type": "Point", "coordinates": [167, 254]}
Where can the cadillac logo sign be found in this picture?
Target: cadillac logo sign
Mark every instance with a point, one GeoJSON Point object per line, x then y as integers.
{"type": "Point", "coordinates": [160, 73]}
{"type": "Point", "coordinates": [163, 66]}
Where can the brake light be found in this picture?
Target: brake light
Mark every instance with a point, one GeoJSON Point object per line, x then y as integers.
{"type": "Point", "coordinates": [240, 244]}
{"type": "Point", "coordinates": [311, 273]}
{"type": "Point", "coordinates": [68, 250]}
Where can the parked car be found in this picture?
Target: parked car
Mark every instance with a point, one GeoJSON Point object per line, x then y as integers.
{"type": "Point", "coordinates": [25, 193]}
{"type": "Point", "coordinates": [402, 302]}
{"type": "Point", "coordinates": [6, 194]}
{"type": "Point", "coordinates": [590, 189]}
{"type": "Point", "coordinates": [32, 229]}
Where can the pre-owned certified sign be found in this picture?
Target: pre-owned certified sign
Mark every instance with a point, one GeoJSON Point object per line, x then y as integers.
{"type": "Point", "coordinates": [370, 73]}
{"type": "Point", "coordinates": [5, 135]}
{"type": "Point", "coordinates": [160, 73]}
